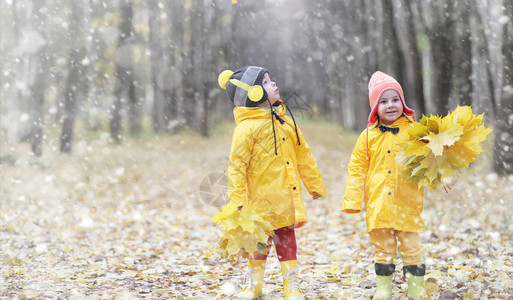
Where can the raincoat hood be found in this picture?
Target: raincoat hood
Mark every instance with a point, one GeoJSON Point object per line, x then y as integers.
{"type": "Point", "coordinates": [241, 113]}
{"type": "Point", "coordinates": [278, 112]}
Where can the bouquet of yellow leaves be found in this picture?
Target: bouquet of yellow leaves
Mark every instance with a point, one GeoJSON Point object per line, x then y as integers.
{"type": "Point", "coordinates": [439, 146]}
{"type": "Point", "coordinates": [244, 231]}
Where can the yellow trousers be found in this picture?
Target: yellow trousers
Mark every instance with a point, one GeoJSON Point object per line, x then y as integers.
{"type": "Point", "coordinates": [387, 241]}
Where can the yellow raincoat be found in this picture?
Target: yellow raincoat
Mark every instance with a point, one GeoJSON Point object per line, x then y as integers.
{"type": "Point", "coordinates": [257, 174]}
{"type": "Point", "coordinates": [390, 202]}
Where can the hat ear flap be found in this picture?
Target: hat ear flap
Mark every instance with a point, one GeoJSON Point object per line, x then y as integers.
{"type": "Point", "coordinates": [224, 77]}
{"type": "Point", "coordinates": [255, 93]}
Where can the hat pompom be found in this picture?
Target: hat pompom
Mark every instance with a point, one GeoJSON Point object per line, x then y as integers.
{"type": "Point", "coordinates": [224, 77]}
{"type": "Point", "coordinates": [255, 93]}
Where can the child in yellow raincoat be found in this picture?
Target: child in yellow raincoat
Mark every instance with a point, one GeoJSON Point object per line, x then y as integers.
{"type": "Point", "coordinates": [268, 160]}
{"type": "Point", "coordinates": [393, 206]}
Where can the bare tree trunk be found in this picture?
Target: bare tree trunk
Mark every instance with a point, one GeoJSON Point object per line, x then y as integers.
{"type": "Point", "coordinates": [217, 102]}
{"type": "Point", "coordinates": [174, 90]}
{"type": "Point", "coordinates": [72, 81]}
{"type": "Point", "coordinates": [463, 54]}
{"type": "Point", "coordinates": [124, 72]}
{"type": "Point", "coordinates": [363, 69]}
{"type": "Point", "coordinates": [198, 74]}
{"type": "Point", "coordinates": [207, 64]}
{"type": "Point", "coordinates": [440, 34]}
{"type": "Point", "coordinates": [158, 112]}
{"type": "Point", "coordinates": [38, 85]}
{"type": "Point", "coordinates": [115, 121]}
{"type": "Point", "coordinates": [392, 57]}
{"type": "Point", "coordinates": [441, 51]}
{"type": "Point", "coordinates": [134, 106]}
{"type": "Point", "coordinates": [189, 63]}
{"type": "Point", "coordinates": [412, 61]}
{"type": "Point", "coordinates": [354, 88]}
{"type": "Point", "coordinates": [91, 40]}
{"type": "Point", "coordinates": [341, 101]}
{"type": "Point", "coordinates": [483, 43]}
{"type": "Point", "coordinates": [12, 62]}
{"type": "Point", "coordinates": [24, 74]}
{"type": "Point", "coordinates": [327, 70]}
{"type": "Point", "coordinates": [503, 146]}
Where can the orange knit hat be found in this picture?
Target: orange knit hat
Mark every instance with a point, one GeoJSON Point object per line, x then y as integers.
{"type": "Point", "coordinates": [378, 84]}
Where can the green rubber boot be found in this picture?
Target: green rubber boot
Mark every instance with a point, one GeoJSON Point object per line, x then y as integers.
{"type": "Point", "coordinates": [384, 289]}
{"type": "Point", "coordinates": [415, 277]}
{"type": "Point", "coordinates": [384, 274]}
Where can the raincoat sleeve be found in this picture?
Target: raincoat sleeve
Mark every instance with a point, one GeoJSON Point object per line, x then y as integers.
{"type": "Point", "coordinates": [357, 174]}
{"type": "Point", "coordinates": [308, 169]}
{"type": "Point", "coordinates": [240, 155]}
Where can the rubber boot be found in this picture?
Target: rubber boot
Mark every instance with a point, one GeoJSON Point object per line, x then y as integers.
{"type": "Point", "coordinates": [384, 275]}
{"type": "Point", "coordinates": [415, 277]}
{"type": "Point", "coordinates": [291, 289]}
{"type": "Point", "coordinates": [254, 280]}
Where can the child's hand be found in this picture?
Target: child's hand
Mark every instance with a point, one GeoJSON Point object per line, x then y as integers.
{"type": "Point", "coordinates": [315, 195]}
{"type": "Point", "coordinates": [351, 211]}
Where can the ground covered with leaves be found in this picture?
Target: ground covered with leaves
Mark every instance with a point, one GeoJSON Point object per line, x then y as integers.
{"type": "Point", "coordinates": [127, 221]}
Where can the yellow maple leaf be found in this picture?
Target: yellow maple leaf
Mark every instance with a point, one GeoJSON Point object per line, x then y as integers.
{"type": "Point", "coordinates": [445, 137]}
{"type": "Point", "coordinates": [460, 155]}
{"type": "Point", "coordinates": [433, 123]}
{"type": "Point", "coordinates": [417, 147]}
{"type": "Point", "coordinates": [225, 212]}
{"type": "Point", "coordinates": [464, 116]}
{"type": "Point", "coordinates": [237, 239]}
{"type": "Point", "coordinates": [248, 219]}
{"type": "Point", "coordinates": [475, 136]}
{"type": "Point", "coordinates": [419, 130]}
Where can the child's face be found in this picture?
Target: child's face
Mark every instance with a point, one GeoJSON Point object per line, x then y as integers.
{"type": "Point", "coordinates": [273, 92]}
{"type": "Point", "coordinates": [390, 107]}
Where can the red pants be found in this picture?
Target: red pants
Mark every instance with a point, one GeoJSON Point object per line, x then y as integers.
{"type": "Point", "coordinates": [285, 243]}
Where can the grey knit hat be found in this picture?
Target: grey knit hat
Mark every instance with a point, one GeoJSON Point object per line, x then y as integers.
{"type": "Point", "coordinates": [244, 86]}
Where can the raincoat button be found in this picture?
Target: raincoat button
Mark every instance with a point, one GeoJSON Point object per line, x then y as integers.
{"type": "Point", "coordinates": [294, 188]}
{"type": "Point", "coordinates": [388, 151]}
{"type": "Point", "coordinates": [287, 163]}
{"type": "Point", "coordinates": [389, 193]}
{"type": "Point", "coordinates": [283, 138]}
{"type": "Point", "coordinates": [389, 171]}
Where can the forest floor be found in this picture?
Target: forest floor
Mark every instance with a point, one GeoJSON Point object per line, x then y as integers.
{"type": "Point", "coordinates": [127, 222]}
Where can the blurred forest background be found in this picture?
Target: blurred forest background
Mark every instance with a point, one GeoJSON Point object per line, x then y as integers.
{"type": "Point", "coordinates": [126, 67]}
